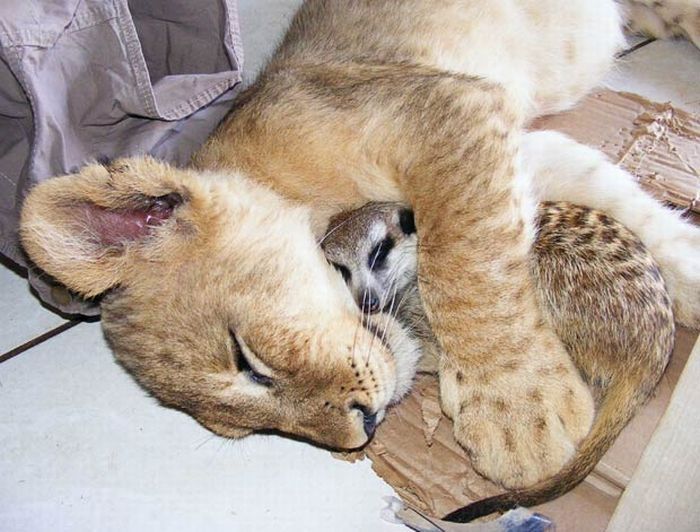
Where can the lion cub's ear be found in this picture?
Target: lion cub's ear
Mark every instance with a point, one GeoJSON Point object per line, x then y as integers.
{"type": "Point", "coordinates": [87, 229]}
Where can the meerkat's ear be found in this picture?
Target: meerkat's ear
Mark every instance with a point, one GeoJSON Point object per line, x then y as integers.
{"type": "Point", "coordinates": [87, 229]}
{"type": "Point", "coordinates": [407, 221]}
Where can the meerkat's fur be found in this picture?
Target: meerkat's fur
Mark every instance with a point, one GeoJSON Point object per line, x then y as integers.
{"type": "Point", "coordinates": [601, 290]}
{"type": "Point", "coordinates": [219, 301]}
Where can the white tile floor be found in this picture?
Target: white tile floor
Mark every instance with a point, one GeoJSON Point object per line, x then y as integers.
{"type": "Point", "coordinates": [662, 71]}
{"type": "Point", "coordinates": [83, 448]}
{"type": "Point", "coordinates": [23, 318]}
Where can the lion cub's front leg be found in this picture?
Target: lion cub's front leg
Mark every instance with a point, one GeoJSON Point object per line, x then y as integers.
{"type": "Point", "coordinates": [519, 419]}
{"type": "Point", "coordinates": [518, 403]}
{"type": "Point", "coordinates": [445, 143]}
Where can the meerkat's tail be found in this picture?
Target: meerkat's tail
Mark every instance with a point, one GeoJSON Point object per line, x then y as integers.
{"type": "Point", "coordinates": [620, 403]}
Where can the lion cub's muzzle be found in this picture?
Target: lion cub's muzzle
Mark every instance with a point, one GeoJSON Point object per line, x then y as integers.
{"type": "Point", "coordinates": [345, 430]}
{"type": "Point", "coordinates": [369, 419]}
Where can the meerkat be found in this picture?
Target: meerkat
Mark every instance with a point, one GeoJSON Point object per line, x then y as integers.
{"type": "Point", "coordinates": [601, 290]}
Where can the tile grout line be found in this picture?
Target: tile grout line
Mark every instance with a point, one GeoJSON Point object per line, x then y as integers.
{"type": "Point", "coordinates": [634, 48]}
{"type": "Point", "coordinates": [37, 340]}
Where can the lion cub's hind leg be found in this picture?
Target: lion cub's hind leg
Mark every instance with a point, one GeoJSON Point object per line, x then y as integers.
{"type": "Point", "coordinates": [665, 18]}
{"type": "Point", "coordinates": [564, 170]}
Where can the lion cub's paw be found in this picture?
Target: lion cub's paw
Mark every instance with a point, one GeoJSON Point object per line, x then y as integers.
{"type": "Point", "coordinates": [679, 259]}
{"type": "Point", "coordinates": [521, 426]}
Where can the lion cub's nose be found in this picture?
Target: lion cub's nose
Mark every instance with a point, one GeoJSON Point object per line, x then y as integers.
{"type": "Point", "coordinates": [369, 419]}
{"type": "Point", "coordinates": [370, 423]}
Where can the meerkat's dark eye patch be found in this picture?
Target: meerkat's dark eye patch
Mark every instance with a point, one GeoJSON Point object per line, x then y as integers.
{"type": "Point", "coordinates": [379, 253]}
{"type": "Point", "coordinates": [407, 222]}
{"type": "Point", "coordinates": [243, 364]}
{"type": "Point", "coordinates": [344, 271]}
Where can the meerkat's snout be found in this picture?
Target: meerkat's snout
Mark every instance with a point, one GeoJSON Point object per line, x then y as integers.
{"type": "Point", "coordinates": [368, 301]}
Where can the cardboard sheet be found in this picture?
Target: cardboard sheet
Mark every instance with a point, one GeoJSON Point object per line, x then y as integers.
{"type": "Point", "coordinates": [656, 142]}
{"type": "Point", "coordinates": [414, 450]}
{"type": "Point", "coordinates": [433, 473]}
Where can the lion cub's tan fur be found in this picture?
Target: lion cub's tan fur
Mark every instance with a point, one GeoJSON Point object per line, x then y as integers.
{"type": "Point", "coordinates": [184, 287]}
{"type": "Point", "coordinates": [221, 304]}
{"type": "Point", "coordinates": [601, 291]}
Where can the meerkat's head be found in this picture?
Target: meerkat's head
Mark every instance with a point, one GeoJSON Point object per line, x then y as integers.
{"type": "Point", "coordinates": [374, 248]}
{"type": "Point", "coordinates": [218, 299]}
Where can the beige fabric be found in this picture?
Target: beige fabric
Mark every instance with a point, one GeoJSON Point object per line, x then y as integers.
{"type": "Point", "coordinates": [87, 79]}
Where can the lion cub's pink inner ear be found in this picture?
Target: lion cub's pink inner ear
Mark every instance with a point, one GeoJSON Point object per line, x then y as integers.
{"type": "Point", "coordinates": [114, 227]}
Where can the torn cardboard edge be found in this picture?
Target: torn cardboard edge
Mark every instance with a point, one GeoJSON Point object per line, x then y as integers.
{"type": "Point", "coordinates": [656, 142]}
{"type": "Point", "coordinates": [518, 519]}
{"type": "Point", "coordinates": [437, 477]}
{"type": "Point", "coordinates": [414, 450]}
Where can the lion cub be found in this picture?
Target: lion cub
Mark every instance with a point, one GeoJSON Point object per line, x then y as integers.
{"type": "Point", "coordinates": [600, 288]}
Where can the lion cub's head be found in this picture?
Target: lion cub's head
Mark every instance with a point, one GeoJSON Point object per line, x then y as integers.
{"type": "Point", "coordinates": [218, 299]}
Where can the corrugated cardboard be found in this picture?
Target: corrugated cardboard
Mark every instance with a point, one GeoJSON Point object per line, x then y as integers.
{"type": "Point", "coordinates": [656, 142]}
{"type": "Point", "coordinates": [431, 472]}
{"type": "Point", "coordinates": [414, 450]}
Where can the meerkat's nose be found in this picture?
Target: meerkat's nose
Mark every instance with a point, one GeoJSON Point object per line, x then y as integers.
{"type": "Point", "coordinates": [369, 302]}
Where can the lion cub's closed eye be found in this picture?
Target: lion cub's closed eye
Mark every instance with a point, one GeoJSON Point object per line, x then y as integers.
{"type": "Point", "coordinates": [243, 358]}
{"type": "Point", "coordinates": [599, 286]}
